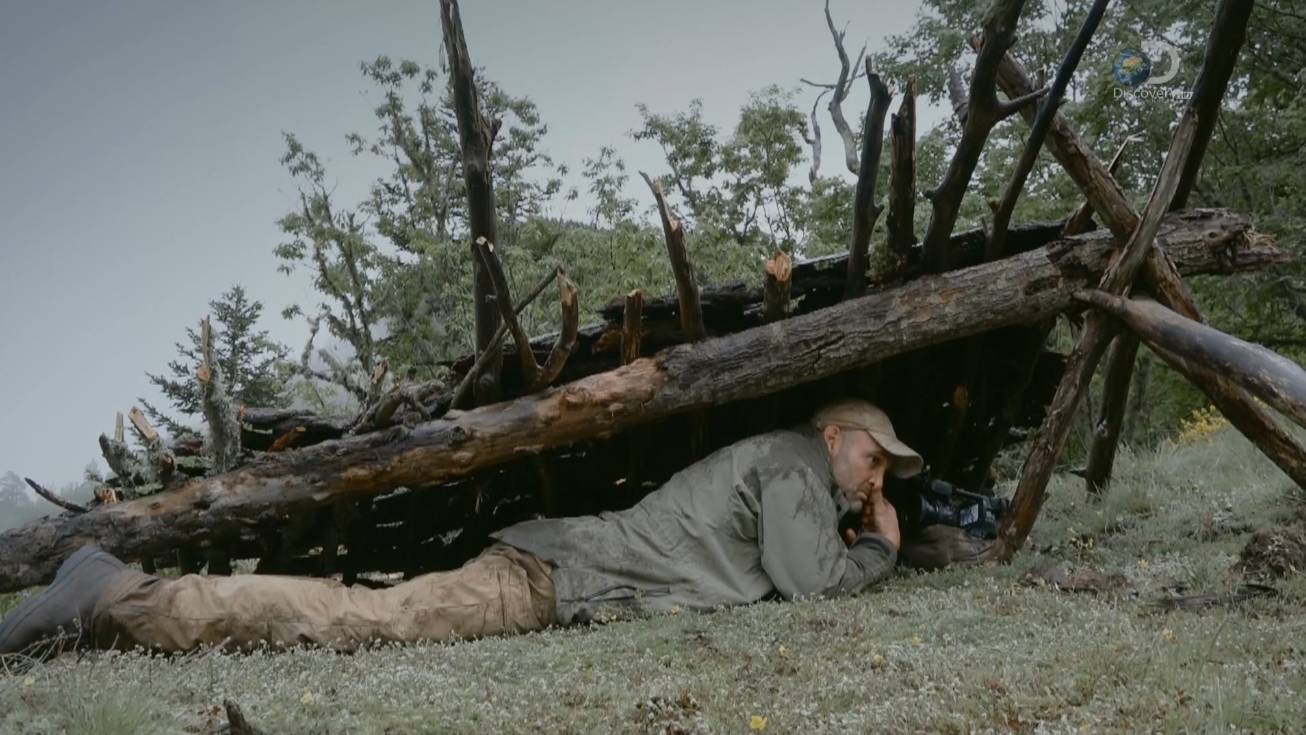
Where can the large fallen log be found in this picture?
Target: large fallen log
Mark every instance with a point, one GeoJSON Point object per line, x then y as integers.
{"type": "Point", "coordinates": [260, 496]}
{"type": "Point", "coordinates": [727, 307]}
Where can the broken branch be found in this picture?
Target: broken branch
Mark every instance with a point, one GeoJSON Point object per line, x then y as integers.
{"type": "Point", "coordinates": [691, 311]}
{"type": "Point", "coordinates": [503, 300]}
{"type": "Point", "coordinates": [567, 334]}
{"type": "Point", "coordinates": [65, 504]}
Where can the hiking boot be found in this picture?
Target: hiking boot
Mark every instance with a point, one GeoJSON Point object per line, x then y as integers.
{"type": "Point", "coordinates": [66, 605]}
{"type": "Point", "coordinates": [937, 546]}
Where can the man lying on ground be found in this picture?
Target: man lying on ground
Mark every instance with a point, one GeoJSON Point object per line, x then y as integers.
{"type": "Point", "coordinates": [753, 520]}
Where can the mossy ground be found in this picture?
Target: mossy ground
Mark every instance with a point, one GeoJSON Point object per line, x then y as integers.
{"type": "Point", "coordinates": [963, 650]}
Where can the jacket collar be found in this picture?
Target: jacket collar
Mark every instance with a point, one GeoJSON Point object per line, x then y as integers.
{"type": "Point", "coordinates": [820, 459]}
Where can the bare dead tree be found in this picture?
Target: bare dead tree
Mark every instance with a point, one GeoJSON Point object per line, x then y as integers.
{"type": "Point", "coordinates": [848, 73]}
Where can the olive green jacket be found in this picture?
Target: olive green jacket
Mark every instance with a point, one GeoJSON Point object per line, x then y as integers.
{"type": "Point", "coordinates": [753, 519]}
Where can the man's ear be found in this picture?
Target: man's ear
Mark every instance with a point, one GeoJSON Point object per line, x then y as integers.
{"type": "Point", "coordinates": [831, 435]}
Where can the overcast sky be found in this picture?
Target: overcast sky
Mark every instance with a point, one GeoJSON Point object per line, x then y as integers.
{"type": "Point", "coordinates": [139, 146]}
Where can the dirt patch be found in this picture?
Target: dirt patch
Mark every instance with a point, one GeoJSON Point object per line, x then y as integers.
{"type": "Point", "coordinates": [1060, 576]}
{"type": "Point", "coordinates": [1274, 552]}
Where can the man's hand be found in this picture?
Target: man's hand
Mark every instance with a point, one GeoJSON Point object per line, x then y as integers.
{"type": "Point", "coordinates": [878, 516]}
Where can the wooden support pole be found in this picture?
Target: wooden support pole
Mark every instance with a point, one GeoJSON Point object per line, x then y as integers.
{"type": "Point", "coordinates": [1106, 427]}
{"type": "Point", "coordinates": [569, 300]}
{"type": "Point", "coordinates": [1083, 216]}
{"type": "Point", "coordinates": [631, 328]}
{"type": "Point", "coordinates": [997, 245]}
{"type": "Point", "coordinates": [775, 287]}
{"type": "Point", "coordinates": [902, 180]}
{"type": "Point", "coordinates": [691, 312]}
{"type": "Point", "coordinates": [489, 259]}
{"type": "Point", "coordinates": [865, 209]}
{"type": "Point", "coordinates": [637, 437]}
{"type": "Point", "coordinates": [475, 138]}
{"type": "Point", "coordinates": [763, 360]}
{"type": "Point", "coordinates": [1103, 192]}
{"type": "Point", "coordinates": [1014, 396]}
{"type": "Point", "coordinates": [1047, 445]}
{"type": "Point", "coordinates": [1255, 424]}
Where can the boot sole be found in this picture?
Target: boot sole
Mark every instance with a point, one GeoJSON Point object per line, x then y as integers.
{"type": "Point", "coordinates": [25, 609]}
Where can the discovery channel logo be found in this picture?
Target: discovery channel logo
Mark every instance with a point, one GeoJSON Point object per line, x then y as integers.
{"type": "Point", "coordinates": [1136, 72]}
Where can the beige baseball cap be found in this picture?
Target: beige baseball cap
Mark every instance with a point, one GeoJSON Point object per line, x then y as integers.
{"type": "Point", "coordinates": [854, 413]}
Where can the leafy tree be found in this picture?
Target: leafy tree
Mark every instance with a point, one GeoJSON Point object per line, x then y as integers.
{"type": "Point", "coordinates": [607, 178]}
{"type": "Point", "coordinates": [394, 268]}
{"type": "Point", "coordinates": [737, 187]}
{"type": "Point", "coordinates": [252, 363]}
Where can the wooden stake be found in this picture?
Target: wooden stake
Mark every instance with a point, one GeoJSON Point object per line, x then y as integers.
{"type": "Point", "coordinates": [865, 210]}
{"type": "Point", "coordinates": [475, 138]}
{"type": "Point", "coordinates": [631, 328]}
{"type": "Point", "coordinates": [1106, 428]}
{"type": "Point", "coordinates": [775, 286]}
{"type": "Point", "coordinates": [902, 180]}
{"type": "Point", "coordinates": [530, 370]}
{"type": "Point", "coordinates": [691, 312]}
{"type": "Point", "coordinates": [983, 111]}
{"type": "Point", "coordinates": [142, 426]}
{"type": "Point", "coordinates": [567, 333]}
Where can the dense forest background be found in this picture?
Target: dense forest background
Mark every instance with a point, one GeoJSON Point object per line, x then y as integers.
{"type": "Point", "coordinates": [393, 270]}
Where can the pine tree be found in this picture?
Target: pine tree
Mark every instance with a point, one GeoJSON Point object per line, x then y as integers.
{"type": "Point", "coordinates": [253, 364]}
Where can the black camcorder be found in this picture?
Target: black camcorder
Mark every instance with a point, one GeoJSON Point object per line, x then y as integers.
{"type": "Point", "coordinates": [924, 501]}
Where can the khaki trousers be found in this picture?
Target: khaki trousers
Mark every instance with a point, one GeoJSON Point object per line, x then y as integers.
{"type": "Point", "coordinates": [504, 590]}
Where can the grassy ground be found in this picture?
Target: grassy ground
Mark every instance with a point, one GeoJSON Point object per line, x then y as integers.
{"type": "Point", "coordinates": [964, 650]}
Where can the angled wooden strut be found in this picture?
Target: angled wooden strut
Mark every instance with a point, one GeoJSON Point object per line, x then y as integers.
{"type": "Point", "coordinates": [1269, 376]}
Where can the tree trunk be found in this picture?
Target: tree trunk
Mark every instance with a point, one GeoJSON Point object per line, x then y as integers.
{"type": "Point", "coordinates": [475, 136]}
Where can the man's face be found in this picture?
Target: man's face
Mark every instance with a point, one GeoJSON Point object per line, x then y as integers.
{"type": "Point", "coordinates": [858, 461]}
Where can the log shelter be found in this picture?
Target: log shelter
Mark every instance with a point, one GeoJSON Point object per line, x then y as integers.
{"type": "Point", "coordinates": [951, 338]}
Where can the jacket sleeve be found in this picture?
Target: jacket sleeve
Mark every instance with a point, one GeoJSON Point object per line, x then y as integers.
{"type": "Point", "coordinates": [799, 539]}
